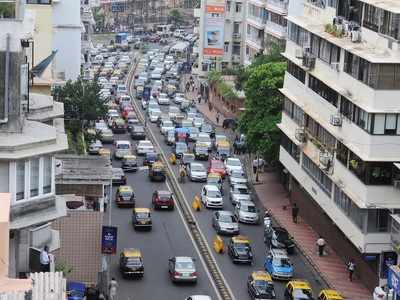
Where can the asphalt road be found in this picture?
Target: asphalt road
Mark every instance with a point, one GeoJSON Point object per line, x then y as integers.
{"type": "Point", "coordinates": [169, 238]}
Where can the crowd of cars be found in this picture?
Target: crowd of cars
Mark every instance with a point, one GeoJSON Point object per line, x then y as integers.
{"type": "Point", "coordinates": [192, 139]}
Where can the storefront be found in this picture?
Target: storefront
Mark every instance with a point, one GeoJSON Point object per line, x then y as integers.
{"type": "Point", "coordinates": [393, 281]}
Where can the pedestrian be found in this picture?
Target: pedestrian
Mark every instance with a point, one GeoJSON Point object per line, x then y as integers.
{"type": "Point", "coordinates": [45, 260]}
{"type": "Point", "coordinates": [217, 117]}
{"type": "Point", "coordinates": [199, 98]}
{"type": "Point", "coordinates": [255, 166]}
{"type": "Point", "coordinates": [295, 212]}
{"type": "Point", "coordinates": [112, 287]}
{"type": "Point", "coordinates": [351, 266]}
{"type": "Point", "coordinates": [321, 245]}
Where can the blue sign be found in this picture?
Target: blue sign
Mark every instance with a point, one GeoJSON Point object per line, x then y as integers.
{"type": "Point", "coordinates": [393, 278]}
{"type": "Point", "coordinates": [109, 240]}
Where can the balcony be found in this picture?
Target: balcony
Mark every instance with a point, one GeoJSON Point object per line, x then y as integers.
{"type": "Point", "coordinates": [276, 30]}
{"type": "Point", "coordinates": [236, 36]}
{"type": "Point", "coordinates": [257, 22]}
{"type": "Point", "coordinates": [278, 6]}
{"type": "Point", "coordinates": [255, 42]}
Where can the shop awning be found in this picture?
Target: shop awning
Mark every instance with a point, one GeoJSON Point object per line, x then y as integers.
{"type": "Point", "coordinates": [41, 67]}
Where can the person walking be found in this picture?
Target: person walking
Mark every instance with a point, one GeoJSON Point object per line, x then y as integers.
{"type": "Point", "coordinates": [217, 117]}
{"type": "Point", "coordinates": [295, 212]}
{"type": "Point", "coordinates": [199, 98]}
{"type": "Point", "coordinates": [112, 287]}
{"type": "Point", "coordinates": [45, 260]}
{"type": "Point", "coordinates": [321, 246]}
{"type": "Point", "coordinates": [351, 266]}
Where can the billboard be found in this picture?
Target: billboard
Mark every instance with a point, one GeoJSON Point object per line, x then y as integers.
{"type": "Point", "coordinates": [109, 240]}
{"type": "Point", "coordinates": [214, 28]}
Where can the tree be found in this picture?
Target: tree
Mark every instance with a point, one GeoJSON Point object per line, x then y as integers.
{"type": "Point", "coordinates": [263, 109]}
{"type": "Point", "coordinates": [7, 10]}
{"type": "Point", "coordinates": [176, 16]}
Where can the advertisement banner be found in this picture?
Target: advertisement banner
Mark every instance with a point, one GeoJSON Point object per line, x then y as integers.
{"type": "Point", "coordinates": [214, 28]}
{"type": "Point", "coordinates": [109, 240]}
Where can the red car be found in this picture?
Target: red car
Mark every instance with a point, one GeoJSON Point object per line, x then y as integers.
{"type": "Point", "coordinates": [162, 199]}
{"type": "Point", "coordinates": [217, 166]}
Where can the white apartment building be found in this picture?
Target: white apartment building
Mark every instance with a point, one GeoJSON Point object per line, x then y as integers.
{"type": "Point", "coordinates": [341, 125]}
{"type": "Point", "coordinates": [265, 24]}
{"type": "Point", "coordinates": [27, 147]}
{"type": "Point", "coordinates": [88, 24]}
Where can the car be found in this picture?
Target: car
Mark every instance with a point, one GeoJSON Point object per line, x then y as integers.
{"type": "Point", "coordinates": [170, 137]}
{"type": "Point", "coordinates": [217, 166]}
{"type": "Point", "coordinates": [211, 197]}
{"type": "Point", "coordinates": [197, 172]}
{"type": "Point", "coordinates": [233, 163]}
{"type": "Point", "coordinates": [121, 90]}
{"type": "Point", "coordinates": [150, 158]}
{"type": "Point", "coordinates": [193, 133]}
{"type": "Point", "coordinates": [156, 75]}
{"type": "Point", "coordinates": [129, 163]}
{"type": "Point", "coordinates": [141, 218]}
{"type": "Point", "coordinates": [298, 290]}
{"type": "Point", "coordinates": [182, 269]}
{"type": "Point", "coordinates": [328, 294]}
{"type": "Point", "coordinates": [106, 136]}
{"type": "Point", "coordinates": [187, 158]}
{"type": "Point", "coordinates": [229, 123]}
{"type": "Point", "coordinates": [198, 122]}
{"type": "Point", "coordinates": [163, 100]}
{"type": "Point", "coordinates": [162, 199]}
{"type": "Point", "coordinates": [166, 125]}
{"type": "Point", "coordinates": [118, 125]}
{"type": "Point", "coordinates": [179, 97]}
{"type": "Point", "coordinates": [200, 151]}
{"type": "Point", "coordinates": [247, 212]}
{"type": "Point", "coordinates": [131, 263]}
{"type": "Point", "coordinates": [132, 121]}
{"type": "Point", "coordinates": [122, 148]}
{"type": "Point", "coordinates": [277, 263]}
{"type": "Point", "coordinates": [179, 149]}
{"type": "Point", "coordinates": [280, 238]}
{"type": "Point", "coordinates": [144, 146]}
{"type": "Point", "coordinates": [215, 179]}
{"type": "Point", "coordinates": [125, 196]}
{"type": "Point", "coordinates": [260, 286]}
{"type": "Point", "coordinates": [239, 250]}
{"type": "Point", "coordinates": [138, 133]}
{"type": "Point", "coordinates": [237, 177]}
{"type": "Point", "coordinates": [173, 111]}
{"type": "Point", "coordinates": [154, 114]}
{"type": "Point", "coordinates": [198, 297]}
{"type": "Point", "coordinates": [225, 222]}
{"type": "Point", "coordinates": [239, 192]}
{"type": "Point", "coordinates": [204, 138]}
{"type": "Point", "coordinates": [157, 171]}
{"type": "Point", "coordinates": [208, 128]}
{"type": "Point", "coordinates": [95, 147]}
{"type": "Point", "coordinates": [118, 176]}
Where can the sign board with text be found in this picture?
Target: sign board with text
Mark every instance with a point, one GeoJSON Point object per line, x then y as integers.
{"type": "Point", "coordinates": [109, 240]}
{"type": "Point", "coordinates": [214, 28]}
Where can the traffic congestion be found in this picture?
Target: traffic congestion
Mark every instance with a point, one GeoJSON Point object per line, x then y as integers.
{"type": "Point", "coordinates": [153, 126]}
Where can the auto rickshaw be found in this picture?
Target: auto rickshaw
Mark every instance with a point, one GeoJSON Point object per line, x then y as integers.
{"type": "Point", "coordinates": [157, 171]}
{"type": "Point", "coordinates": [329, 295]}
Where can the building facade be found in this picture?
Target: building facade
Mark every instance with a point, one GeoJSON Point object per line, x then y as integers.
{"type": "Point", "coordinates": [341, 125]}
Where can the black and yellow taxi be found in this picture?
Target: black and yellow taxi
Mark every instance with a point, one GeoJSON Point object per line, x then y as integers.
{"type": "Point", "coordinates": [125, 196]}
{"type": "Point", "coordinates": [260, 286]}
{"type": "Point", "coordinates": [239, 249]}
{"type": "Point", "coordinates": [129, 163]}
{"type": "Point", "coordinates": [157, 171]}
{"type": "Point", "coordinates": [298, 290]}
{"type": "Point", "coordinates": [141, 218]}
{"type": "Point", "coordinates": [131, 263]}
{"type": "Point", "coordinates": [328, 294]}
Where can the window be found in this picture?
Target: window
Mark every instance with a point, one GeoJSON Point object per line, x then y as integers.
{"type": "Point", "coordinates": [228, 5]}
{"type": "Point", "coordinates": [324, 182]}
{"type": "Point", "coordinates": [293, 111]}
{"type": "Point", "coordinates": [236, 48]}
{"type": "Point", "coordinates": [236, 27]}
{"type": "Point", "coordinates": [38, 1]}
{"type": "Point", "coordinates": [34, 177]}
{"type": "Point", "coordinates": [332, 3]}
{"type": "Point", "coordinates": [327, 52]}
{"type": "Point", "coordinates": [390, 24]}
{"type": "Point", "coordinates": [277, 19]}
{"type": "Point", "coordinates": [355, 214]}
{"type": "Point", "coordinates": [248, 29]}
{"type": "Point", "coordinates": [238, 8]}
{"type": "Point", "coordinates": [298, 35]}
{"type": "Point", "coordinates": [371, 17]}
{"type": "Point", "coordinates": [20, 180]}
{"type": "Point", "coordinates": [378, 220]}
{"type": "Point", "coordinates": [226, 47]}
{"type": "Point", "coordinates": [47, 176]}
{"type": "Point", "coordinates": [296, 71]}
{"type": "Point", "coordinates": [342, 154]}
{"type": "Point", "coordinates": [290, 147]}
{"type": "Point", "coordinates": [351, 10]}
{"type": "Point", "coordinates": [320, 133]}
{"type": "Point", "coordinates": [323, 90]}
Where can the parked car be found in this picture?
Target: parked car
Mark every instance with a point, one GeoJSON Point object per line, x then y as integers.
{"type": "Point", "coordinates": [278, 264]}
{"type": "Point", "coordinates": [280, 238]}
{"type": "Point", "coordinates": [239, 192]}
{"type": "Point", "coordinates": [247, 212]}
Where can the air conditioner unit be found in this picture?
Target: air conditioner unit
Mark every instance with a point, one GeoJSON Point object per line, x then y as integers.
{"type": "Point", "coordinates": [336, 120]}
{"type": "Point", "coordinates": [299, 53]}
{"type": "Point", "coordinates": [325, 160]}
{"type": "Point", "coordinates": [300, 135]}
{"type": "Point", "coordinates": [335, 66]}
{"type": "Point", "coordinates": [355, 36]}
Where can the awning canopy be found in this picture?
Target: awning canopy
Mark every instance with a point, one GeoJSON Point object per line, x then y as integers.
{"type": "Point", "coordinates": [41, 67]}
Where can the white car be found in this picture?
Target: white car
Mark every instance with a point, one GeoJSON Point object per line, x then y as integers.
{"type": "Point", "coordinates": [197, 172]}
{"type": "Point", "coordinates": [163, 100]}
{"type": "Point", "coordinates": [197, 122]}
{"type": "Point", "coordinates": [198, 297]}
{"type": "Point", "coordinates": [121, 90]}
{"type": "Point", "coordinates": [233, 163]}
{"type": "Point", "coordinates": [173, 111]}
{"type": "Point", "coordinates": [122, 148]}
{"type": "Point", "coordinates": [154, 114]}
{"type": "Point", "coordinates": [211, 197]}
{"type": "Point", "coordinates": [247, 212]}
{"type": "Point", "coordinates": [204, 138]}
{"type": "Point", "coordinates": [239, 192]}
{"type": "Point", "coordinates": [152, 105]}
{"type": "Point", "coordinates": [166, 125]}
{"type": "Point", "coordinates": [144, 147]}
{"type": "Point", "coordinates": [179, 98]}
{"type": "Point", "coordinates": [155, 75]}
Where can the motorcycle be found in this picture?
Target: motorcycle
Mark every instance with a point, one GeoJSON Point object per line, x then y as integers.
{"type": "Point", "coordinates": [267, 227]}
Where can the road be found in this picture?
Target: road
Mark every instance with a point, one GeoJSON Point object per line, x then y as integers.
{"type": "Point", "coordinates": [169, 238]}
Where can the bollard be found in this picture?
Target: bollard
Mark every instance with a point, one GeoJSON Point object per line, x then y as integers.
{"type": "Point", "coordinates": [218, 244]}
{"type": "Point", "coordinates": [196, 203]}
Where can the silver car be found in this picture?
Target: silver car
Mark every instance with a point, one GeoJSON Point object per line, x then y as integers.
{"type": "Point", "coordinates": [197, 172]}
{"type": "Point", "coordinates": [182, 269]}
{"type": "Point", "coordinates": [239, 192]}
{"type": "Point", "coordinates": [237, 177]}
{"type": "Point", "coordinates": [247, 212]}
{"type": "Point", "coordinates": [225, 222]}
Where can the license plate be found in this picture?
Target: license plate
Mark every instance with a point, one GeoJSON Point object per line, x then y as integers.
{"type": "Point", "coordinates": [164, 206]}
{"type": "Point", "coordinates": [142, 222]}
{"type": "Point", "coordinates": [185, 274]}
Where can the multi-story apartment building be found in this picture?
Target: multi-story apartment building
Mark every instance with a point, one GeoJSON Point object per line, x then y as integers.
{"type": "Point", "coordinates": [88, 26]}
{"type": "Point", "coordinates": [265, 25]}
{"type": "Point", "coordinates": [341, 125]}
{"type": "Point", "coordinates": [27, 147]}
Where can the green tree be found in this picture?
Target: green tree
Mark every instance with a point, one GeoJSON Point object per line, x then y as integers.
{"type": "Point", "coordinates": [263, 109]}
{"type": "Point", "coordinates": [7, 10]}
{"type": "Point", "coordinates": [176, 16]}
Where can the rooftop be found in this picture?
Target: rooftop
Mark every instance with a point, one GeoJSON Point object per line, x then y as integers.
{"type": "Point", "coordinates": [389, 5]}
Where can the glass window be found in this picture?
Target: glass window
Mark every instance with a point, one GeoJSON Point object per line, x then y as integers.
{"type": "Point", "coordinates": [371, 17]}
{"type": "Point", "coordinates": [296, 71]}
{"type": "Point", "coordinates": [290, 147]}
{"type": "Point", "coordinates": [238, 7]}
{"type": "Point", "coordinates": [379, 124]}
{"type": "Point", "coordinates": [34, 177]}
{"type": "Point", "coordinates": [317, 175]}
{"type": "Point", "coordinates": [344, 202]}
{"type": "Point", "coordinates": [323, 90]}
{"type": "Point", "coordinates": [20, 182]}
{"type": "Point", "coordinates": [228, 5]}
{"type": "Point", "coordinates": [47, 177]}
{"type": "Point", "coordinates": [226, 47]}
{"type": "Point", "coordinates": [342, 153]}
{"type": "Point", "coordinates": [378, 220]}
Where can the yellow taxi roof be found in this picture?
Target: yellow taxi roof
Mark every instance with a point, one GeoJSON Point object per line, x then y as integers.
{"type": "Point", "coordinates": [300, 284]}
{"type": "Point", "coordinates": [214, 175]}
{"type": "Point", "coordinates": [141, 210]}
{"type": "Point", "coordinates": [125, 188]}
{"type": "Point", "coordinates": [261, 275]}
{"type": "Point", "coordinates": [331, 294]}
{"type": "Point", "coordinates": [132, 252]}
{"type": "Point", "coordinates": [240, 239]}
{"type": "Point", "coordinates": [223, 143]}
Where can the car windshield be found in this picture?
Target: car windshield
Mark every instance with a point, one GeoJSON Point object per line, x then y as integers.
{"type": "Point", "coordinates": [227, 218]}
{"type": "Point", "coordinates": [133, 262]}
{"type": "Point", "coordinates": [237, 174]}
{"type": "Point", "coordinates": [181, 147]}
{"type": "Point", "coordinates": [167, 124]}
{"type": "Point", "coordinates": [241, 190]}
{"type": "Point", "coordinates": [302, 294]}
{"type": "Point", "coordinates": [242, 246]}
{"type": "Point", "coordinates": [203, 138]}
{"type": "Point", "coordinates": [138, 129]}
{"type": "Point", "coordinates": [193, 130]}
{"type": "Point", "coordinates": [281, 262]}
{"type": "Point", "coordinates": [123, 146]}
{"type": "Point", "coordinates": [206, 128]}
{"type": "Point", "coordinates": [197, 167]}
{"type": "Point", "coordinates": [213, 180]}
{"type": "Point", "coordinates": [130, 160]}
{"type": "Point", "coordinates": [249, 208]}
{"type": "Point", "coordinates": [184, 265]}
{"type": "Point", "coordinates": [173, 109]}
{"type": "Point", "coordinates": [233, 162]}
{"type": "Point", "coordinates": [145, 144]}
{"type": "Point", "coordinates": [125, 193]}
{"type": "Point", "coordinates": [151, 155]}
{"type": "Point", "coordinates": [188, 158]}
{"type": "Point", "coordinates": [165, 197]}
{"type": "Point", "coordinates": [261, 284]}
{"type": "Point", "coordinates": [142, 215]}
{"type": "Point", "coordinates": [214, 194]}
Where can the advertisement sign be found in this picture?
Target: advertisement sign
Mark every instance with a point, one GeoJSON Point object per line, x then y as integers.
{"type": "Point", "coordinates": [393, 279]}
{"type": "Point", "coordinates": [214, 28]}
{"type": "Point", "coordinates": [109, 240]}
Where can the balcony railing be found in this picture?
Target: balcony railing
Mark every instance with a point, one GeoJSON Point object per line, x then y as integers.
{"type": "Point", "coordinates": [276, 29]}
{"type": "Point", "coordinates": [236, 35]}
{"type": "Point", "coordinates": [259, 21]}
{"type": "Point", "coordinates": [278, 5]}
{"type": "Point", "coordinates": [256, 40]}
